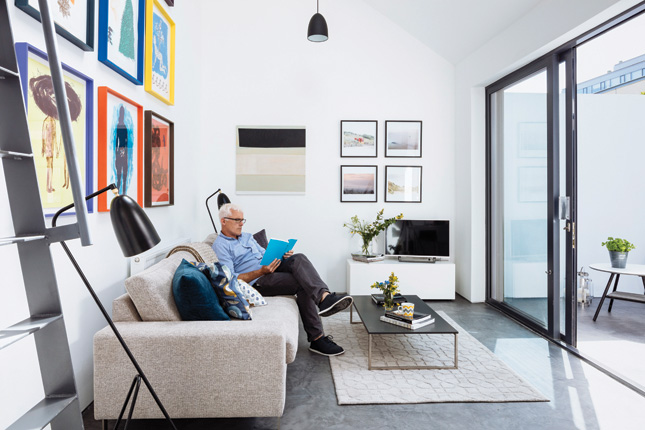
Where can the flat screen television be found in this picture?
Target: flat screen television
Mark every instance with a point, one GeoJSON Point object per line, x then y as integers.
{"type": "Point", "coordinates": [418, 238]}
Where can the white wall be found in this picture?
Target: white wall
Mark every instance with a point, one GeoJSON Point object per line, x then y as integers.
{"type": "Point", "coordinates": [546, 27]}
{"type": "Point", "coordinates": [261, 70]}
{"type": "Point", "coordinates": [103, 263]}
{"type": "Point", "coordinates": [611, 199]}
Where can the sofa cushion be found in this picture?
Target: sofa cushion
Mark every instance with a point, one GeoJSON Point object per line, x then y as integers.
{"type": "Point", "coordinates": [151, 290]}
{"type": "Point", "coordinates": [225, 286]}
{"type": "Point", "coordinates": [251, 295]}
{"type": "Point", "coordinates": [261, 238]}
{"type": "Point", "coordinates": [194, 296]}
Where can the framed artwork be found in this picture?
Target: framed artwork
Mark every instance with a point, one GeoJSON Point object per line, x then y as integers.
{"type": "Point", "coordinates": [358, 138]}
{"type": "Point", "coordinates": [120, 146]}
{"type": "Point", "coordinates": [121, 37]}
{"type": "Point", "coordinates": [74, 19]}
{"type": "Point", "coordinates": [159, 161]}
{"type": "Point", "coordinates": [403, 184]}
{"type": "Point", "coordinates": [532, 139]}
{"type": "Point", "coordinates": [358, 183]}
{"type": "Point", "coordinates": [160, 53]}
{"type": "Point", "coordinates": [403, 139]}
{"type": "Point", "coordinates": [270, 160]}
{"type": "Point", "coordinates": [44, 128]}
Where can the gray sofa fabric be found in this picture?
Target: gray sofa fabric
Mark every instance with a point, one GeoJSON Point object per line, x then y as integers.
{"type": "Point", "coordinates": [199, 369]}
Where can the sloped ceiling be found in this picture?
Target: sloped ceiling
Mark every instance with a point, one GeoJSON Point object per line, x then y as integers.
{"type": "Point", "coordinates": [453, 28]}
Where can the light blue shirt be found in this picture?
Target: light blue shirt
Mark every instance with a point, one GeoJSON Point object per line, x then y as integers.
{"type": "Point", "coordinates": [241, 255]}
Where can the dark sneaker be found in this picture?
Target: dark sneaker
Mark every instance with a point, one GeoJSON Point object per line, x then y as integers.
{"type": "Point", "coordinates": [334, 303]}
{"type": "Point", "coordinates": [325, 346]}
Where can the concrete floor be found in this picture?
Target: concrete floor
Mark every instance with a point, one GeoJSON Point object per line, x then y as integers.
{"type": "Point", "coordinates": [581, 396]}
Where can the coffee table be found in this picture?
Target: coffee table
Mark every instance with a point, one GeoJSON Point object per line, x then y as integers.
{"type": "Point", "coordinates": [370, 314]}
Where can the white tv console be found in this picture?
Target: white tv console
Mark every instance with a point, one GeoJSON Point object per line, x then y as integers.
{"type": "Point", "coordinates": [429, 281]}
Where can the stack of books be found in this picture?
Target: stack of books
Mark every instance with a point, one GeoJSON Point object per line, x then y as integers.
{"type": "Point", "coordinates": [368, 258]}
{"type": "Point", "coordinates": [417, 320]}
{"type": "Point", "coordinates": [379, 299]}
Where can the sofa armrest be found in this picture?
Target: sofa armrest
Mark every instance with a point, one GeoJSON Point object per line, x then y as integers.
{"type": "Point", "coordinates": [197, 368]}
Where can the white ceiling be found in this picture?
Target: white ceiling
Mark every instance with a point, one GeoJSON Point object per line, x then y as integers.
{"type": "Point", "coordinates": [454, 29]}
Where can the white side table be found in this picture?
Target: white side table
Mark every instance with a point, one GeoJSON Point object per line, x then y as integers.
{"type": "Point", "coordinates": [631, 269]}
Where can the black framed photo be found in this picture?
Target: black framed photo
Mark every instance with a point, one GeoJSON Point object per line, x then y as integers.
{"type": "Point", "coordinates": [358, 138]}
{"type": "Point", "coordinates": [403, 139]}
{"type": "Point", "coordinates": [358, 183]}
{"type": "Point", "coordinates": [403, 184]}
{"type": "Point", "coordinates": [74, 19]}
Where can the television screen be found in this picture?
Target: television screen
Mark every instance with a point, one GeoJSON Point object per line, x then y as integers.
{"type": "Point", "coordinates": [418, 238]}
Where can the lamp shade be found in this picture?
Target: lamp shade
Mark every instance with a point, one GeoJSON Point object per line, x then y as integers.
{"type": "Point", "coordinates": [133, 229]}
{"type": "Point", "coordinates": [222, 199]}
{"type": "Point", "coordinates": [317, 31]}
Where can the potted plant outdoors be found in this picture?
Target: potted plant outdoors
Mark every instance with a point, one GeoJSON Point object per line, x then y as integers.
{"type": "Point", "coordinates": [389, 289]}
{"type": "Point", "coordinates": [618, 249]}
{"type": "Point", "coordinates": [369, 231]}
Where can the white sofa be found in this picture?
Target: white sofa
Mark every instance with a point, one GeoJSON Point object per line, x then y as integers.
{"type": "Point", "coordinates": [199, 369]}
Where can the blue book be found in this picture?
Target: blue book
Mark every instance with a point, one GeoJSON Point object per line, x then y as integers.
{"type": "Point", "coordinates": [276, 249]}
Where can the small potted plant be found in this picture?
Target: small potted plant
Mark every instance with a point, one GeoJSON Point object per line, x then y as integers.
{"type": "Point", "coordinates": [618, 250]}
{"type": "Point", "coordinates": [389, 289]}
{"type": "Point", "coordinates": [369, 231]}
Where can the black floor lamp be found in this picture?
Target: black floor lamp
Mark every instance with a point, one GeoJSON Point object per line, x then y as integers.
{"type": "Point", "coordinates": [222, 199]}
{"type": "Point", "coordinates": [135, 234]}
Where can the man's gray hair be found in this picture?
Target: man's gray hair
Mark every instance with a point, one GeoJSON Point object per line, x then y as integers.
{"type": "Point", "coordinates": [225, 210]}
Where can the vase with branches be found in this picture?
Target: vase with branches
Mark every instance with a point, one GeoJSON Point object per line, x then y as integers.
{"type": "Point", "coordinates": [368, 231]}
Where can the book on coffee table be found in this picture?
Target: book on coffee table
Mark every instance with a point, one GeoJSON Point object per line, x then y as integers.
{"type": "Point", "coordinates": [379, 299]}
{"type": "Point", "coordinates": [417, 318]}
{"type": "Point", "coordinates": [411, 326]}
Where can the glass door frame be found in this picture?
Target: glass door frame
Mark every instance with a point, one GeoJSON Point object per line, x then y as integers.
{"type": "Point", "coordinates": [551, 63]}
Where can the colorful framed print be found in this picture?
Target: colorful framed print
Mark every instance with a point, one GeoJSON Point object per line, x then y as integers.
{"type": "Point", "coordinates": [403, 184]}
{"type": "Point", "coordinates": [121, 37]}
{"type": "Point", "coordinates": [270, 160]}
{"type": "Point", "coordinates": [358, 183]}
{"type": "Point", "coordinates": [159, 161]}
{"type": "Point", "coordinates": [120, 146]}
{"type": "Point", "coordinates": [358, 138]}
{"type": "Point", "coordinates": [160, 53]}
{"type": "Point", "coordinates": [74, 19]}
{"type": "Point", "coordinates": [403, 138]}
{"type": "Point", "coordinates": [44, 129]}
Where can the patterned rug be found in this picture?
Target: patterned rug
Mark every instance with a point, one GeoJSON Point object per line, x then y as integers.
{"type": "Point", "coordinates": [481, 376]}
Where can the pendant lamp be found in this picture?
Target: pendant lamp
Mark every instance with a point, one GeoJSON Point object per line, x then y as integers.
{"type": "Point", "coordinates": [317, 31]}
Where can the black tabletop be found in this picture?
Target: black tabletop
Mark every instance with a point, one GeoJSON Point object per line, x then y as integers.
{"type": "Point", "coordinates": [371, 313]}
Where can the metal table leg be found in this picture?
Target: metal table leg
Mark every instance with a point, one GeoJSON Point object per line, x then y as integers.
{"type": "Point", "coordinates": [602, 299]}
{"type": "Point", "coordinates": [611, 301]}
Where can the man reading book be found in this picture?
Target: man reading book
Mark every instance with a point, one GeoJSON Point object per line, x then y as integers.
{"type": "Point", "coordinates": [293, 275]}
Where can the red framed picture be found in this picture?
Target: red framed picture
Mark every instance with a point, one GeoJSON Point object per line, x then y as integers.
{"type": "Point", "coordinates": [120, 146]}
{"type": "Point", "coordinates": [159, 160]}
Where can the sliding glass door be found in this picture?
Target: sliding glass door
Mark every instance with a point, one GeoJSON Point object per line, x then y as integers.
{"type": "Point", "coordinates": [529, 212]}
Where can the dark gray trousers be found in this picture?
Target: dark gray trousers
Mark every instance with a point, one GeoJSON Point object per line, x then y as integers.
{"type": "Point", "coordinates": [297, 276]}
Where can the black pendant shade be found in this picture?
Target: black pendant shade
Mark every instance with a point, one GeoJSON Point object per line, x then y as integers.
{"type": "Point", "coordinates": [132, 227]}
{"type": "Point", "coordinates": [222, 199]}
{"type": "Point", "coordinates": [317, 31]}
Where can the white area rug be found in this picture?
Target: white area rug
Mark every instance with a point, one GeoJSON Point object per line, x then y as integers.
{"type": "Point", "coordinates": [481, 376]}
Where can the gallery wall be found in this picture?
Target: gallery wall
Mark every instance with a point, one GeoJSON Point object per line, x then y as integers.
{"type": "Point", "coordinates": [103, 262]}
{"type": "Point", "coordinates": [259, 69]}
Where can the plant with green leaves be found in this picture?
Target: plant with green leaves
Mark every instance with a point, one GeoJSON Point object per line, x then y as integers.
{"type": "Point", "coordinates": [389, 289]}
{"type": "Point", "coordinates": [618, 245]}
{"type": "Point", "coordinates": [369, 230]}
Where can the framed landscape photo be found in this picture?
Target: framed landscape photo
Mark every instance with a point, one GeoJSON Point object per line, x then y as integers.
{"type": "Point", "coordinates": [44, 127]}
{"type": "Point", "coordinates": [159, 175]}
{"type": "Point", "coordinates": [403, 184]}
{"type": "Point", "coordinates": [121, 37]}
{"type": "Point", "coordinates": [403, 138]}
{"type": "Point", "coordinates": [358, 138]}
{"type": "Point", "coordinates": [74, 19]}
{"type": "Point", "coordinates": [120, 146]}
{"type": "Point", "coordinates": [160, 53]}
{"type": "Point", "coordinates": [358, 183]}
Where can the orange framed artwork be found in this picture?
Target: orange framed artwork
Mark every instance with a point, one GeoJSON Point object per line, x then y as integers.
{"type": "Point", "coordinates": [120, 146]}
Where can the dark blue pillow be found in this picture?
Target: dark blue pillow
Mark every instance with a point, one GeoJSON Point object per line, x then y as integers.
{"type": "Point", "coordinates": [194, 295]}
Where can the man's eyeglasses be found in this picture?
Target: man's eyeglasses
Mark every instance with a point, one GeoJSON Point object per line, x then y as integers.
{"type": "Point", "coordinates": [237, 220]}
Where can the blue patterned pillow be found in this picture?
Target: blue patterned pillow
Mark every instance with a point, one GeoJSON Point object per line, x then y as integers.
{"type": "Point", "coordinates": [225, 286]}
{"type": "Point", "coordinates": [194, 295]}
{"type": "Point", "coordinates": [251, 295]}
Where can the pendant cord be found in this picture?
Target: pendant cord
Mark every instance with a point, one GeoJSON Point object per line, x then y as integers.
{"type": "Point", "coordinates": [317, 6]}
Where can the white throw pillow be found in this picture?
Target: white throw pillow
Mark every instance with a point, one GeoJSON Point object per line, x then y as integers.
{"type": "Point", "coordinates": [251, 294]}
